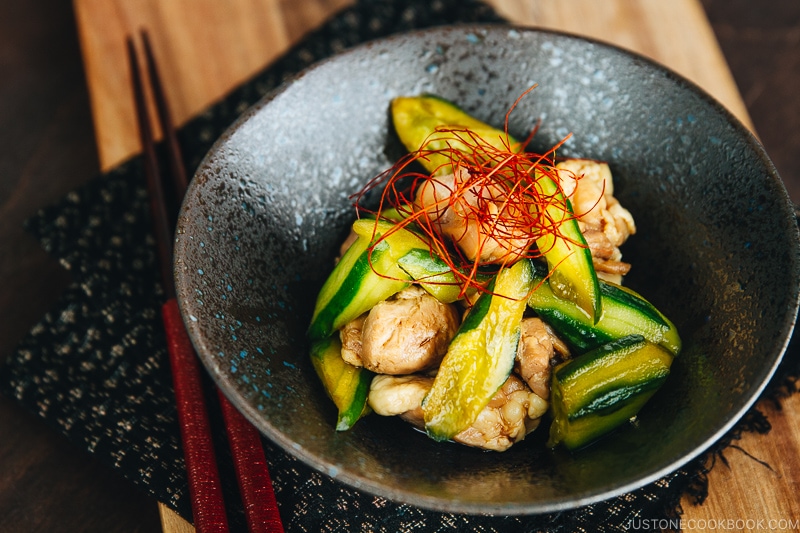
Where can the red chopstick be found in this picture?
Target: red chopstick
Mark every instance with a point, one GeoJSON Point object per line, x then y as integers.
{"type": "Point", "coordinates": [255, 485]}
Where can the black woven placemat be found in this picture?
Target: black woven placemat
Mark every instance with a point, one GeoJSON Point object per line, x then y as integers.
{"type": "Point", "coordinates": [96, 369]}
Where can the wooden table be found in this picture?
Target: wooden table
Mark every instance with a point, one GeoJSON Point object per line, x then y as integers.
{"type": "Point", "coordinates": [207, 47]}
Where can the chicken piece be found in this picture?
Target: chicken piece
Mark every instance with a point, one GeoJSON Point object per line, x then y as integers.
{"type": "Point", "coordinates": [512, 413]}
{"type": "Point", "coordinates": [536, 354]}
{"type": "Point", "coordinates": [590, 187]}
{"type": "Point", "coordinates": [560, 347]}
{"type": "Point", "coordinates": [397, 395]}
{"type": "Point", "coordinates": [407, 333]}
{"type": "Point", "coordinates": [605, 224]}
{"type": "Point", "coordinates": [471, 218]}
{"type": "Point", "coordinates": [350, 335]}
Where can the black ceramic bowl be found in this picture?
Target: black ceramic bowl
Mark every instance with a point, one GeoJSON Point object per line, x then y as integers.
{"type": "Point", "coordinates": [716, 250]}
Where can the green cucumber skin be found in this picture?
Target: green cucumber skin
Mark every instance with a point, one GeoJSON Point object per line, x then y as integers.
{"type": "Point", "coordinates": [582, 415]}
{"type": "Point", "coordinates": [572, 368]}
{"type": "Point", "coordinates": [477, 313]}
{"type": "Point", "coordinates": [590, 428]}
{"type": "Point", "coordinates": [611, 401]}
{"type": "Point", "coordinates": [351, 406]}
{"type": "Point", "coordinates": [366, 274]}
{"type": "Point", "coordinates": [619, 305]}
{"type": "Point", "coordinates": [358, 407]}
{"type": "Point", "coordinates": [571, 262]}
{"type": "Point", "coordinates": [501, 337]}
{"type": "Point", "coordinates": [435, 112]}
{"type": "Point", "coordinates": [632, 300]}
{"type": "Point", "coordinates": [432, 274]}
{"type": "Point", "coordinates": [576, 333]}
{"type": "Point", "coordinates": [436, 276]}
{"type": "Point", "coordinates": [326, 321]}
{"type": "Point", "coordinates": [420, 264]}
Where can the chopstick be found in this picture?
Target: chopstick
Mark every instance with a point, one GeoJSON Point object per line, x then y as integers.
{"type": "Point", "coordinates": [249, 461]}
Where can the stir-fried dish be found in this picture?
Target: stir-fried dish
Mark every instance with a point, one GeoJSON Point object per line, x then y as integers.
{"type": "Point", "coordinates": [483, 296]}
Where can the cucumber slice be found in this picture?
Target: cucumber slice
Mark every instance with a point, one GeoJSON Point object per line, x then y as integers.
{"type": "Point", "coordinates": [434, 275]}
{"type": "Point", "coordinates": [480, 356]}
{"type": "Point", "coordinates": [362, 278]}
{"type": "Point", "coordinates": [347, 385]}
{"type": "Point", "coordinates": [416, 119]}
{"type": "Point", "coordinates": [572, 274]}
{"type": "Point", "coordinates": [624, 313]}
{"type": "Point", "coordinates": [600, 390]}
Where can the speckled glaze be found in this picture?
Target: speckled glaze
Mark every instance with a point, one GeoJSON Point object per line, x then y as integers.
{"type": "Point", "coordinates": [716, 251]}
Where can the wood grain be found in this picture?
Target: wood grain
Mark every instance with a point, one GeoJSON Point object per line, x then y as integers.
{"type": "Point", "coordinates": [207, 47]}
{"type": "Point", "coordinates": [674, 33]}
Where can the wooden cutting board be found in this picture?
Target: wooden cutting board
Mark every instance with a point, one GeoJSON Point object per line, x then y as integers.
{"type": "Point", "coordinates": [208, 47]}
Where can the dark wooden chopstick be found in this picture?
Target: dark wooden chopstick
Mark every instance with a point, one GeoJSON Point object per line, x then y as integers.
{"type": "Point", "coordinates": [177, 169]}
{"type": "Point", "coordinates": [208, 507]}
{"type": "Point", "coordinates": [250, 464]}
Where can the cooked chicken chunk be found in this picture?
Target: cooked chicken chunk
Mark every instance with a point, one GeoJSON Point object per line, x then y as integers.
{"type": "Point", "coordinates": [461, 214]}
{"type": "Point", "coordinates": [514, 411]}
{"type": "Point", "coordinates": [350, 336]}
{"type": "Point", "coordinates": [605, 224]}
{"type": "Point", "coordinates": [407, 333]}
{"type": "Point", "coordinates": [537, 350]}
{"type": "Point", "coordinates": [397, 395]}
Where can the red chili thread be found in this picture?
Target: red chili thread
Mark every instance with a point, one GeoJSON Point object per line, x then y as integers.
{"type": "Point", "coordinates": [508, 200]}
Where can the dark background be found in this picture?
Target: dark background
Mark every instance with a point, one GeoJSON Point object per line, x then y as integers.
{"type": "Point", "coordinates": [48, 149]}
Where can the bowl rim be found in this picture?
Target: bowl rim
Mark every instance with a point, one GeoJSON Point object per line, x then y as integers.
{"type": "Point", "coordinates": [321, 464]}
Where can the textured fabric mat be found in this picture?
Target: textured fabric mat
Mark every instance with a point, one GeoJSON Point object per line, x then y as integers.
{"type": "Point", "coordinates": [96, 369]}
